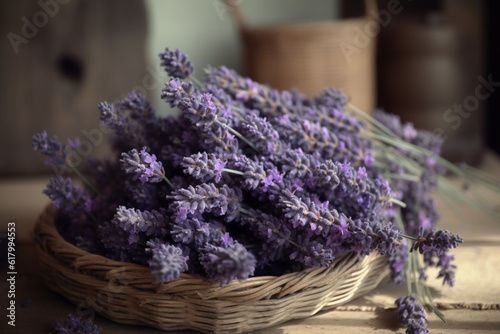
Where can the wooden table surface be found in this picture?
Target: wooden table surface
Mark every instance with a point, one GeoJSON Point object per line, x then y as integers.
{"type": "Point", "coordinates": [478, 279]}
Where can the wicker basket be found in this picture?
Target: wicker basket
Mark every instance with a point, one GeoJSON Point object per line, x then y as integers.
{"type": "Point", "coordinates": [126, 292]}
{"type": "Point", "coordinates": [313, 55]}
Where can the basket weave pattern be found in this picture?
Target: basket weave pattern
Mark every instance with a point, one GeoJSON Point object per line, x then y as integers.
{"type": "Point", "coordinates": [127, 293]}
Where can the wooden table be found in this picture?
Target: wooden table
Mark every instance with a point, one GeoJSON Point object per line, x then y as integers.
{"type": "Point", "coordinates": [478, 278]}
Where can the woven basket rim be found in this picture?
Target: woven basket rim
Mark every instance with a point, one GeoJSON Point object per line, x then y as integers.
{"type": "Point", "coordinates": [194, 302]}
{"type": "Point", "coordinates": [55, 243]}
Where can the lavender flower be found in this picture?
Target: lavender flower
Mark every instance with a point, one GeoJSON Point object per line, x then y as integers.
{"type": "Point", "coordinates": [139, 107]}
{"type": "Point", "coordinates": [397, 261]}
{"type": "Point", "coordinates": [204, 166]}
{"type": "Point", "coordinates": [167, 262]}
{"type": "Point", "coordinates": [312, 254]}
{"type": "Point", "coordinates": [112, 118]}
{"type": "Point", "coordinates": [367, 236]}
{"type": "Point", "coordinates": [262, 134]}
{"type": "Point", "coordinates": [143, 166]}
{"type": "Point", "coordinates": [134, 221]}
{"type": "Point", "coordinates": [56, 153]}
{"type": "Point", "coordinates": [74, 325]}
{"type": "Point", "coordinates": [192, 231]}
{"type": "Point", "coordinates": [67, 197]}
{"type": "Point", "coordinates": [332, 98]}
{"type": "Point", "coordinates": [176, 63]}
{"type": "Point", "coordinates": [227, 262]}
{"type": "Point", "coordinates": [178, 93]}
{"type": "Point", "coordinates": [436, 241]}
{"type": "Point", "coordinates": [447, 271]}
{"type": "Point", "coordinates": [412, 314]}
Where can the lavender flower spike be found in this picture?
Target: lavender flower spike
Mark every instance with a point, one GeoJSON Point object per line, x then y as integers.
{"type": "Point", "coordinates": [167, 262]}
{"type": "Point", "coordinates": [143, 166]}
{"type": "Point", "coordinates": [438, 241]}
{"type": "Point", "coordinates": [75, 325]}
{"type": "Point", "coordinates": [227, 262]}
{"type": "Point", "coordinates": [55, 151]}
{"type": "Point", "coordinates": [176, 63]}
{"type": "Point", "coordinates": [204, 166]}
{"type": "Point", "coordinates": [412, 314]}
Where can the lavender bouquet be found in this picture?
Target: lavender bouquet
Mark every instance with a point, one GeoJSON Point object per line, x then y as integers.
{"type": "Point", "coordinates": [248, 180]}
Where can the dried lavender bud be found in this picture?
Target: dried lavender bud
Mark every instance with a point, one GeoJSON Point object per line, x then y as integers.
{"type": "Point", "coordinates": [112, 118]}
{"type": "Point", "coordinates": [74, 325]}
{"type": "Point", "coordinates": [68, 198]}
{"type": "Point", "coordinates": [55, 151]}
{"type": "Point", "coordinates": [311, 253]}
{"type": "Point", "coordinates": [142, 165]}
{"type": "Point", "coordinates": [203, 166]}
{"type": "Point", "coordinates": [176, 63]}
{"type": "Point", "coordinates": [139, 107]}
{"type": "Point", "coordinates": [177, 93]}
{"type": "Point", "coordinates": [223, 201]}
{"type": "Point", "coordinates": [134, 221]}
{"type": "Point", "coordinates": [167, 262]}
{"type": "Point", "coordinates": [262, 134]}
{"type": "Point", "coordinates": [412, 314]}
{"type": "Point", "coordinates": [196, 199]}
{"type": "Point", "coordinates": [397, 261]}
{"type": "Point", "coordinates": [254, 173]}
{"type": "Point", "coordinates": [268, 228]}
{"type": "Point", "coordinates": [332, 98]}
{"type": "Point", "coordinates": [447, 271]}
{"type": "Point", "coordinates": [191, 231]}
{"type": "Point", "coordinates": [367, 236]}
{"type": "Point", "coordinates": [227, 262]}
{"type": "Point", "coordinates": [439, 241]}
{"type": "Point", "coordinates": [297, 164]}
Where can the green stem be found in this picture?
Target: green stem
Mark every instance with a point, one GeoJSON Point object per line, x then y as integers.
{"type": "Point", "coordinates": [408, 236]}
{"type": "Point", "coordinates": [168, 182]}
{"type": "Point", "coordinates": [397, 202]}
{"type": "Point", "coordinates": [245, 211]}
{"type": "Point", "coordinates": [232, 171]}
{"type": "Point", "coordinates": [84, 179]}
{"type": "Point", "coordinates": [239, 135]}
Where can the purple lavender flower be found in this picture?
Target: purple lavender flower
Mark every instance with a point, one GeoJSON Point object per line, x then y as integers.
{"type": "Point", "coordinates": [167, 262]}
{"type": "Point", "coordinates": [436, 241]}
{"type": "Point", "coordinates": [270, 229]}
{"type": "Point", "coordinates": [311, 253]}
{"type": "Point", "coordinates": [192, 231]}
{"type": "Point", "coordinates": [397, 261]}
{"type": "Point", "coordinates": [447, 271]}
{"type": "Point", "coordinates": [412, 314]}
{"type": "Point", "coordinates": [143, 166]}
{"type": "Point", "coordinates": [112, 118]}
{"type": "Point", "coordinates": [134, 221]}
{"type": "Point", "coordinates": [178, 93]}
{"type": "Point", "coordinates": [55, 152]}
{"type": "Point", "coordinates": [333, 98]}
{"type": "Point", "coordinates": [176, 63]}
{"type": "Point", "coordinates": [223, 201]}
{"type": "Point", "coordinates": [367, 236]}
{"type": "Point", "coordinates": [262, 134]}
{"type": "Point", "coordinates": [74, 325]}
{"type": "Point", "coordinates": [66, 197]}
{"type": "Point", "coordinates": [139, 107]}
{"type": "Point", "coordinates": [227, 262]}
{"type": "Point", "coordinates": [203, 166]}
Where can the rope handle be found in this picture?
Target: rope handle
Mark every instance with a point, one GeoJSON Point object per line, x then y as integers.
{"type": "Point", "coordinates": [370, 6]}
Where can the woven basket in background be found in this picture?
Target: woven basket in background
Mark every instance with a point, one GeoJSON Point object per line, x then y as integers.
{"type": "Point", "coordinates": [309, 56]}
{"type": "Point", "coordinates": [127, 293]}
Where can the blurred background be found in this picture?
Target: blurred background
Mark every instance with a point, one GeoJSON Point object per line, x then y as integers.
{"type": "Point", "coordinates": [431, 62]}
